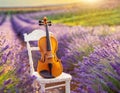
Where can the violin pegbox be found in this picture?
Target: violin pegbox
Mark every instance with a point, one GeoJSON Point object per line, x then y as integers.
{"type": "Point", "coordinates": [45, 22]}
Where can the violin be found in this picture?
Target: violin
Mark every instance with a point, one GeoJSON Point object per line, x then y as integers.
{"type": "Point", "coordinates": [49, 66]}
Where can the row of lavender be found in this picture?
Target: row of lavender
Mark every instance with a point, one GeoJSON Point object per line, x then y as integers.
{"type": "Point", "coordinates": [14, 67]}
{"type": "Point", "coordinates": [93, 60]}
{"type": "Point", "coordinates": [20, 27]}
{"type": "Point", "coordinates": [2, 18]}
{"type": "Point", "coordinates": [17, 78]}
{"type": "Point", "coordinates": [99, 72]}
{"type": "Point", "coordinates": [94, 56]}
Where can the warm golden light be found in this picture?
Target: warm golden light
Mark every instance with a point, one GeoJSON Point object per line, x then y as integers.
{"type": "Point", "coordinates": [90, 1]}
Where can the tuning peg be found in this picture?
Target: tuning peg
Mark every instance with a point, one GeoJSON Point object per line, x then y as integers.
{"type": "Point", "coordinates": [40, 22]}
{"type": "Point", "coordinates": [49, 23]}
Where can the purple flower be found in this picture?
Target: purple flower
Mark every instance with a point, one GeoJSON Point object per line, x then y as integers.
{"type": "Point", "coordinates": [111, 86]}
{"type": "Point", "coordinates": [6, 82]}
{"type": "Point", "coordinates": [90, 90]}
{"type": "Point", "coordinates": [3, 49]}
{"type": "Point", "coordinates": [116, 67]}
{"type": "Point", "coordinates": [4, 59]}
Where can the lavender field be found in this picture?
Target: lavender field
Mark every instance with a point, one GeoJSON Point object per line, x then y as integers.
{"type": "Point", "coordinates": [90, 54]}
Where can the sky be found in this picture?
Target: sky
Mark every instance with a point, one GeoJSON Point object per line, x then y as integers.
{"type": "Point", "coordinates": [19, 3]}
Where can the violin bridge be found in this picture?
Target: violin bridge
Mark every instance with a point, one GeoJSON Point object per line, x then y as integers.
{"type": "Point", "coordinates": [50, 56]}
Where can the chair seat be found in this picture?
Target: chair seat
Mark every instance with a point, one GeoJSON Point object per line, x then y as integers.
{"type": "Point", "coordinates": [63, 77]}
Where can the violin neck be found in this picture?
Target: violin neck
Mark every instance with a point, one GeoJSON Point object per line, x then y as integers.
{"type": "Point", "coordinates": [48, 38]}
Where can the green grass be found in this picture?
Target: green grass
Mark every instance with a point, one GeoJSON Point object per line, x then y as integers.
{"type": "Point", "coordinates": [5, 76]}
{"type": "Point", "coordinates": [88, 18]}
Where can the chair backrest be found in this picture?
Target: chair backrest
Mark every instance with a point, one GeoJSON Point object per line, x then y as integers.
{"type": "Point", "coordinates": [33, 36]}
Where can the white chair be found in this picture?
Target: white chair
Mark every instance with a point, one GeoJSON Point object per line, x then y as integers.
{"type": "Point", "coordinates": [64, 77]}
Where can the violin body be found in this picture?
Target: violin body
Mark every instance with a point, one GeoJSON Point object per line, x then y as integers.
{"type": "Point", "coordinates": [49, 57]}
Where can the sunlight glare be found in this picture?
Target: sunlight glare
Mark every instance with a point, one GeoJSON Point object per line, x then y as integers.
{"type": "Point", "coordinates": [90, 1]}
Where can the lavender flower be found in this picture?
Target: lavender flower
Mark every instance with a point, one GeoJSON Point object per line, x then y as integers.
{"type": "Point", "coordinates": [6, 82]}
{"type": "Point", "coordinates": [3, 49]}
{"type": "Point", "coordinates": [102, 72]}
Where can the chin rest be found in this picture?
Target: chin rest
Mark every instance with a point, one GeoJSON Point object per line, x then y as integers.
{"type": "Point", "coordinates": [46, 74]}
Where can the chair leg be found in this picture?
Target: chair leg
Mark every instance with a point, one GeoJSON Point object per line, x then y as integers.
{"type": "Point", "coordinates": [34, 86]}
{"type": "Point", "coordinates": [42, 90]}
{"type": "Point", "coordinates": [67, 87]}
